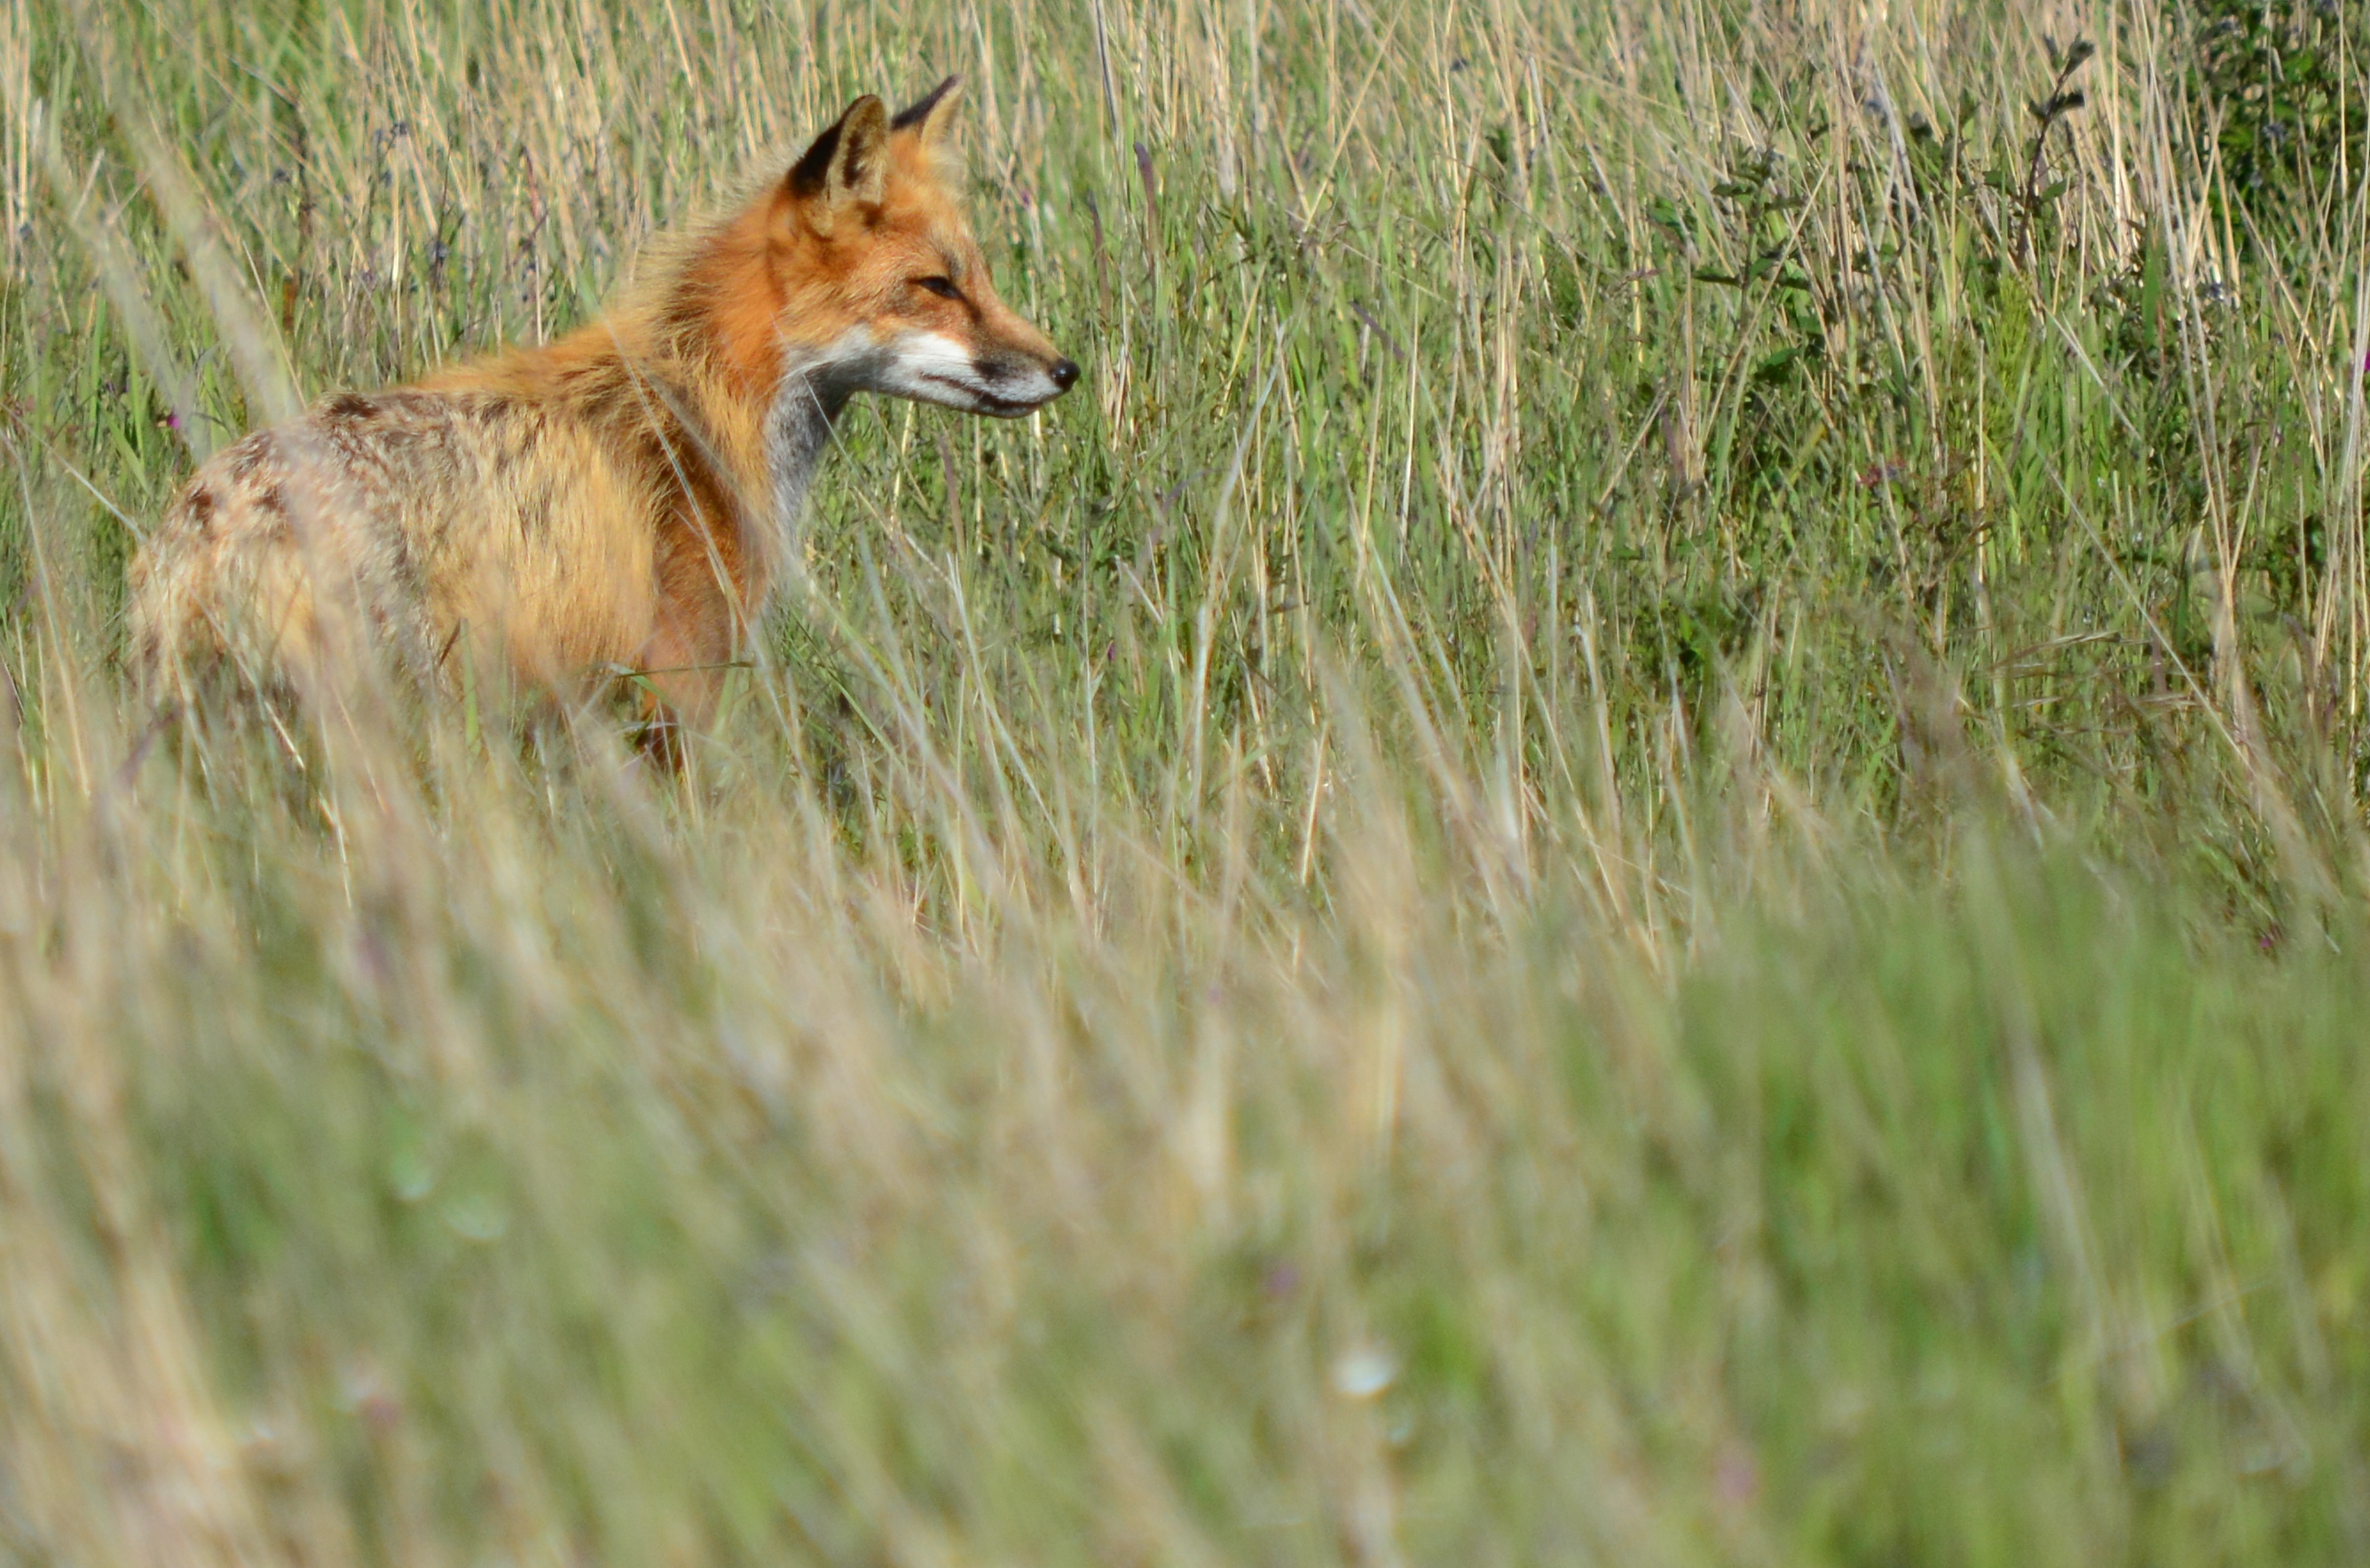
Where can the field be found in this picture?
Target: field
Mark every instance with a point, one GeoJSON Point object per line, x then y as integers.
{"type": "Point", "coordinates": [1640, 841]}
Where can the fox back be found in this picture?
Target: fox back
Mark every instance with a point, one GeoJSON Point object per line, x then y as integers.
{"type": "Point", "coordinates": [618, 500]}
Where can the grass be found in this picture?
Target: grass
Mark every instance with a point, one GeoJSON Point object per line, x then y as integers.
{"type": "Point", "coordinates": [1640, 840]}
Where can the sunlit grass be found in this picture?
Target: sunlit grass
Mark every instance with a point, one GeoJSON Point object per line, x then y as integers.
{"type": "Point", "coordinates": [1637, 842]}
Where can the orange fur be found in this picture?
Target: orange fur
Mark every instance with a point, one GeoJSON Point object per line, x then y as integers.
{"type": "Point", "coordinates": [619, 497]}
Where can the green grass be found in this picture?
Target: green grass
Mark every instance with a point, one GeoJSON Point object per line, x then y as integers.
{"type": "Point", "coordinates": [1640, 840]}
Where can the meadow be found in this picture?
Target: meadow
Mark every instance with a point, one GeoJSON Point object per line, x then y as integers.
{"type": "Point", "coordinates": [1641, 840]}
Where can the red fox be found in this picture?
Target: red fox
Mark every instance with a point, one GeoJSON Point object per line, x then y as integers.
{"type": "Point", "coordinates": [621, 498]}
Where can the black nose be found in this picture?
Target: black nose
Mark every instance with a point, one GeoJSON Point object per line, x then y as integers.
{"type": "Point", "coordinates": [1063, 373]}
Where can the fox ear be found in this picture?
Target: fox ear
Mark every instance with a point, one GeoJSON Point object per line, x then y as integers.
{"type": "Point", "coordinates": [928, 116]}
{"type": "Point", "coordinates": [847, 163]}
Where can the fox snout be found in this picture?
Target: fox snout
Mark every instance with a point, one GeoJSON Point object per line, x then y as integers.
{"type": "Point", "coordinates": [1002, 381]}
{"type": "Point", "coordinates": [1014, 384]}
{"type": "Point", "coordinates": [1013, 369]}
{"type": "Point", "coordinates": [1016, 362]}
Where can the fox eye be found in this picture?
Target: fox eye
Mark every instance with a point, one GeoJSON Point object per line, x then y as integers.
{"type": "Point", "coordinates": [943, 287]}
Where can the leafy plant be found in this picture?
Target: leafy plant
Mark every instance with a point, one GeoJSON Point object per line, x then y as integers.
{"type": "Point", "coordinates": [2277, 86]}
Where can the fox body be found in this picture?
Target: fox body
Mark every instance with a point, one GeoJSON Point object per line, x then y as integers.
{"type": "Point", "coordinates": [620, 497]}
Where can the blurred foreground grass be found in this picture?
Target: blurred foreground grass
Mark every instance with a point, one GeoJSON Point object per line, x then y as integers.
{"type": "Point", "coordinates": [1640, 842]}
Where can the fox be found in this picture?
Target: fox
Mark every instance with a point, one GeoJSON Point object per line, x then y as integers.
{"type": "Point", "coordinates": [621, 499]}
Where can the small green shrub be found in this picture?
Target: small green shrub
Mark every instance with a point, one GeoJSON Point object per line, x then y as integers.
{"type": "Point", "coordinates": [2276, 87]}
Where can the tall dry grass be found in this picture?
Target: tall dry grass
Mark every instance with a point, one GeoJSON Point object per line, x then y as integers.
{"type": "Point", "coordinates": [1639, 842]}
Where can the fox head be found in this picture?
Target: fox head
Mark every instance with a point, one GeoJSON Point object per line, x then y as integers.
{"type": "Point", "coordinates": [882, 287]}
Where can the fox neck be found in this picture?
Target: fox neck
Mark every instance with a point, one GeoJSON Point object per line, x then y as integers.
{"type": "Point", "coordinates": [768, 402]}
{"type": "Point", "coordinates": [807, 404]}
